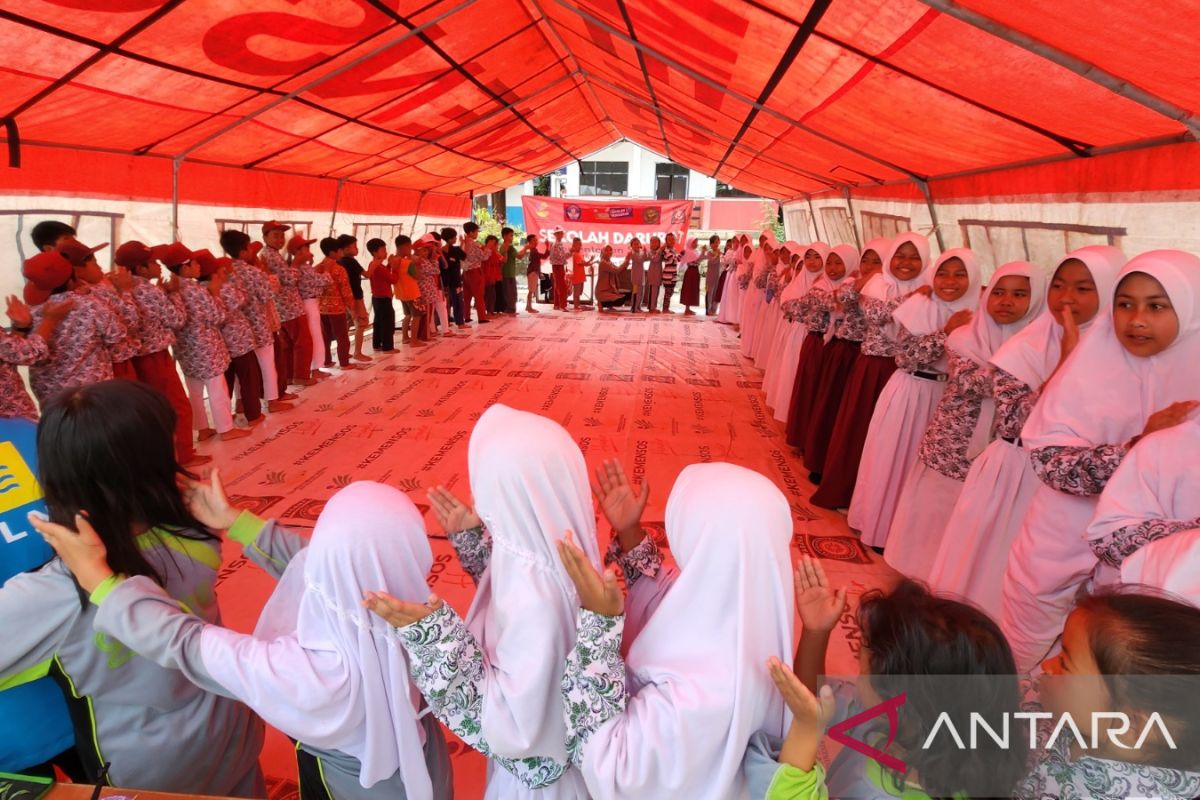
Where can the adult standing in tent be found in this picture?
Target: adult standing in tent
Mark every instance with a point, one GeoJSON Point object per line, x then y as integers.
{"type": "Point", "coordinates": [974, 553]}
{"type": "Point", "coordinates": [734, 289]}
{"type": "Point", "coordinates": [904, 263]}
{"type": "Point", "coordinates": [673, 719]}
{"type": "Point", "coordinates": [689, 292]}
{"type": "Point", "coordinates": [494, 679]}
{"type": "Point", "coordinates": [1132, 374]}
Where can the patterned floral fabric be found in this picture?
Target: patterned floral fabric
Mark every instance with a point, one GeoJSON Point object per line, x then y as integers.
{"type": "Point", "coordinates": [877, 314]}
{"type": "Point", "coordinates": [79, 349]}
{"type": "Point", "coordinates": [1014, 403]}
{"type": "Point", "coordinates": [199, 347]}
{"type": "Point", "coordinates": [475, 254]}
{"type": "Point", "coordinates": [774, 279]}
{"type": "Point", "coordinates": [337, 297]}
{"type": "Point", "coordinates": [447, 665]}
{"type": "Point", "coordinates": [474, 549]}
{"type": "Point", "coordinates": [919, 353]}
{"type": "Point", "coordinates": [17, 349]}
{"type": "Point", "coordinates": [944, 446]}
{"type": "Point", "coordinates": [264, 321]}
{"type": "Point", "coordinates": [1056, 777]}
{"type": "Point", "coordinates": [593, 683]}
{"type": "Point", "coordinates": [644, 559]}
{"type": "Point", "coordinates": [853, 325]}
{"type": "Point", "coordinates": [160, 315]}
{"type": "Point", "coordinates": [236, 330]}
{"type": "Point", "coordinates": [1118, 545]}
{"type": "Point", "coordinates": [287, 297]}
{"type": "Point", "coordinates": [815, 309]}
{"type": "Point", "coordinates": [761, 277]}
{"type": "Point", "coordinates": [1081, 471]}
{"type": "Point", "coordinates": [427, 275]}
{"type": "Point", "coordinates": [791, 309]}
{"type": "Point", "coordinates": [126, 310]}
{"type": "Point", "coordinates": [312, 283]}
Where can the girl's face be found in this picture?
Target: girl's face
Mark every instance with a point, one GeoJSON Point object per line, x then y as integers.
{"type": "Point", "coordinates": [1072, 683]}
{"type": "Point", "coordinates": [746, 251]}
{"type": "Point", "coordinates": [835, 268]}
{"type": "Point", "coordinates": [1143, 317]}
{"type": "Point", "coordinates": [951, 280]}
{"type": "Point", "coordinates": [1073, 289]}
{"type": "Point", "coordinates": [1009, 299]}
{"type": "Point", "coordinates": [906, 263]}
{"type": "Point", "coordinates": [812, 261]}
{"type": "Point", "coordinates": [870, 263]}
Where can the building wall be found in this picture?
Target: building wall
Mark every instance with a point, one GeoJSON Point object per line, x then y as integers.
{"type": "Point", "coordinates": [641, 173]}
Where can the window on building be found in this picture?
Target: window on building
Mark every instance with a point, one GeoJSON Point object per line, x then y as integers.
{"type": "Point", "coordinates": [725, 190]}
{"type": "Point", "coordinates": [670, 182]}
{"type": "Point", "coordinates": [604, 178]}
{"type": "Point", "coordinates": [838, 227]}
{"type": "Point", "coordinates": [885, 226]}
{"type": "Point", "coordinates": [798, 225]}
{"type": "Point", "coordinates": [998, 242]}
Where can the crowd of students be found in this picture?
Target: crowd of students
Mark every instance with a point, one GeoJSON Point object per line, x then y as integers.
{"type": "Point", "coordinates": [1026, 446]}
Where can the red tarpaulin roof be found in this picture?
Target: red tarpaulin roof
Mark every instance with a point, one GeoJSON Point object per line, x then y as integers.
{"type": "Point", "coordinates": [411, 102]}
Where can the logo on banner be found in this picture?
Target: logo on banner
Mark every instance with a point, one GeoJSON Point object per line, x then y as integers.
{"type": "Point", "coordinates": [651, 215]}
{"type": "Point", "coordinates": [573, 212]}
{"type": "Point", "coordinates": [679, 216]}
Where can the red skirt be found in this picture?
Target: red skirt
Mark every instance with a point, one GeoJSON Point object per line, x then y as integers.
{"type": "Point", "coordinates": [836, 364]}
{"type": "Point", "coordinates": [868, 376]}
{"type": "Point", "coordinates": [804, 387]}
{"type": "Point", "coordinates": [689, 295]}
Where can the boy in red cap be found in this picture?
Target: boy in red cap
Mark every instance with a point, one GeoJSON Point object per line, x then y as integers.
{"type": "Point", "coordinates": [160, 314]}
{"type": "Point", "coordinates": [335, 301]}
{"type": "Point", "coordinates": [25, 346]}
{"type": "Point", "coordinates": [236, 332]}
{"type": "Point", "coordinates": [312, 285]}
{"type": "Point", "coordinates": [115, 290]}
{"type": "Point", "coordinates": [79, 347]}
{"type": "Point", "coordinates": [260, 312]}
{"type": "Point", "coordinates": [292, 343]}
{"type": "Point", "coordinates": [199, 346]}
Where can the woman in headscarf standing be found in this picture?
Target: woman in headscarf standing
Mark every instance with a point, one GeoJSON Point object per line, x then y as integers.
{"type": "Point", "coordinates": [689, 293]}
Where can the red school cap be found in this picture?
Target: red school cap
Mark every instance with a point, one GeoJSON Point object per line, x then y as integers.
{"type": "Point", "coordinates": [172, 255]}
{"type": "Point", "coordinates": [296, 242]}
{"type": "Point", "coordinates": [44, 272]}
{"type": "Point", "coordinates": [274, 225]}
{"type": "Point", "coordinates": [78, 254]}
{"type": "Point", "coordinates": [207, 262]}
{"type": "Point", "coordinates": [132, 255]}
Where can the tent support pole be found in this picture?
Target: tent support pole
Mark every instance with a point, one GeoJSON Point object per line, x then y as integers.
{"type": "Point", "coordinates": [1080, 67]}
{"type": "Point", "coordinates": [812, 213]}
{"type": "Point", "coordinates": [175, 197]}
{"type": "Point", "coordinates": [337, 197]}
{"type": "Point", "coordinates": [937, 228]}
{"type": "Point", "coordinates": [417, 214]}
{"type": "Point", "coordinates": [853, 224]}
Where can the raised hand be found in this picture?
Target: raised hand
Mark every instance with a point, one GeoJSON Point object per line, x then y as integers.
{"type": "Point", "coordinates": [398, 613]}
{"type": "Point", "coordinates": [18, 312]}
{"type": "Point", "coordinates": [208, 503]}
{"type": "Point", "coordinates": [622, 507]}
{"type": "Point", "coordinates": [818, 604]}
{"type": "Point", "coordinates": [599, 594]}
{"type": "Point", "coordinates": [958, 319]}
{"type": "Point", "coordinates": [120, 278]}
{"type": "Point", "coordinates": [810, 715]}
{"type": "Point", "coordinates": [452, 513]}
{"type": "Point", "coordinates": [57, 312]}
{"type": "Point", "coordinates": [1070, 336]}
{"type": "Point", "coordinates": [1170, 416]}
{"type": "Point", "coordinates": [81, 550]}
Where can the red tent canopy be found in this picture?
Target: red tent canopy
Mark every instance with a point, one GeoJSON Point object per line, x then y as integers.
{"type": "Point", "coordinates": [414, 104]}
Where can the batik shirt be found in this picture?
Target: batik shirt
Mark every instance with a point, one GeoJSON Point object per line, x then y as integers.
{"type": "Point", "coordinates": [814, 310]}
{"type": "Point", "coordinates": [852, 325]}
{"type": "Point", "coordinates": [1081, 471]}
{"type": "Point", "coordinates": [446, 663]}
{"type": "Point", "coordinates": [560, 253]}
{"type": "Point", "coordinates": [287, 299]}
{"type": "Point", "coordinates": [199, 347]}
{"type": "Point", "coordinates": [944, 446]}
{"type": "Point", "coordinates": [159, 316]}
{"type": "Point", "coordinates": [877, 314]}
{"type": "Point", "coordinates": [259, 311]}
{"type": "Point", "coordinates": [1014, 403]}
{"type": "Point", "coordinates": [126, 311]}
{"type": "Point", "coordinates": [337, 297]}
{"type": "Point", "coordinates": [920, 353]}
{"type": "Point", "coordinates": [236, 330]}
{"type": "Point", "coordinates": [774, 282]}
{"type": "Point", "coordinates": [427, 274]}
{"type": "Point", "coordinates": [79, 348]}
{"type": "Point", "coordinates": [25, 350]}
{"type": "Point", "coordinates": [474, 255]}
{"type": "Point", "coordinates": [312, 283]}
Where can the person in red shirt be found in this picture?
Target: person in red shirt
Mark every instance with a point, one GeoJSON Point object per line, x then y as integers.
{"type": "Point", "coordinates": [381, 277]}
{"type": "Point", "coordinates": [491, 272]}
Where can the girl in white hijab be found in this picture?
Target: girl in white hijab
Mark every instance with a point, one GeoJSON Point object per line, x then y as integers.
{"type": "Point", "coordinates": [905, 263]}
{"type": "Point", "coordinates": [912, 393]}
{"type": "Point", "coordinates": [1152, 496]}
{"type": "Point", "coordinates": [319, 667]}
{"type": "Point", "coordinates": [727, 300]}
{"type": "Point", "coordinates": [974, 552]}
{"type": "Point", "coordinates": [673, 719]}
{"type": "Point", "coordinates": [781, 368]}
{"type": "Point", "coordinates": [741, 278]}
{"type": "Point", "coordinates": [1132, 374]}
{"type": "Point", "coordinates": [962, 424]}
{"type": "Point", "coordinates": [494, 678]}
{"type": "Point", "coordinates": [778, 279]}
{"type": "Point", "coordinates": [764, 260]}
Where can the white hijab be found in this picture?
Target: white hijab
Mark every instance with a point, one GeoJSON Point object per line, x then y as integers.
{"type": "Point", "coordinates": [885, 286]}
{"type": "Point", "coordinates": [981, 337]}
{"type": "Point", "coordinates": [881, 246]}
{"type": "Point", "coordinates": [699, 682]}
{"type": "Point", "coordinates": [1103, 394]}
{"type": "Point", "coordinates": [326, 671]}
{"type": "Point", "coordinates": [921, 315]}
{"type": "Point", "coordinates": [530, 484]}
{"type": "Point", "coordinates": [1169, 564]}
{"type": "Point", "coordinates": [1032, 354]}
{"type": "Point", "coordinates": [690, 253]}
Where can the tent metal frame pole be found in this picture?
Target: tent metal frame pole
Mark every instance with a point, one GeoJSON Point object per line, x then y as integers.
{"type": "Point", "coordinates": [937, 227]}
{"type": "Point", "coordinates": [337, 197]}
{"type": "Point", "coordinates": [175, 162]}
{"type": "Point", "coordinates": [853, 225]}
{"type": "Point", "coordinates": [417, 213]}
{"type": "Point", "coordinates": [1093, 73]}
{"type": "Point", "coordinates": [812, 210]}
{"type": "Point", "coordinates": [327, 76]}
